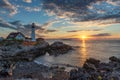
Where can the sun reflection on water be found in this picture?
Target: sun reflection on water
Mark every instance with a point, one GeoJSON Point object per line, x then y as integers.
{"type": "Point", "coordinates": [83, 52]}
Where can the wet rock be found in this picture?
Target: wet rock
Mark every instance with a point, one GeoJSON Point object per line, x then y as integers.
{"type": "Point", "coordinates": [80, 74]}
{"type": "Point", "coordinates": [6, 68]}
{"type": "Point", "coordinates": [19, 52]}
{"type": "Point", "coordinates": [23, 53]}
{"type": "Point", "coordinates": [89, 67]}
{"type": "Point", "coordinates": [73, 75]}
{"type": "Point", "coordinates": [28, 70]}
{"type": "Point", "coordinates": [4, 73]}
{"type": "Point", "coordinates": [114, 59]}
{"type": "Point", "coordinates": [59, 48]}
{"type": "Point", "coordinates": [28, 76]}
{"type": "Point", "coordinates": [94, 70]}
{"type": "Point", "coordinates": [105, 67]}
{"type": "Point", "coordinates": [93, 61]}
{"type": "Point", "coordinates": [91, 64]}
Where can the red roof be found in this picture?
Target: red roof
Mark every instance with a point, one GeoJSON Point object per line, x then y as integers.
{"type": "Point", "coordinates": [14, 34]}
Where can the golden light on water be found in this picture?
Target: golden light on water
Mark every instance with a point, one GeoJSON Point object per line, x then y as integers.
{"type": "Point", "coordinates": [83, 50]}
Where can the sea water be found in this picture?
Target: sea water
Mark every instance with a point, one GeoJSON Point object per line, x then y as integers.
{"type": "Point", "coordinates": [84, 49]}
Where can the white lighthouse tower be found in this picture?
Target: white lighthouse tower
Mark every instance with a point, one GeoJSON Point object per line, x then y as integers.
{"type": "Point", "coordinates": [33, 32]}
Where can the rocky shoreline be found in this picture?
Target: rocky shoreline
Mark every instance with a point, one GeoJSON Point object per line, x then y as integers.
{"type": "Point", "coordinates": [17, 63]}
{"type": "Point", "coordinates": [92, 69]}
{"type": "Point", "coordinates": [28, 53]}
{"type": "Point", "coordinates": [17, 54]}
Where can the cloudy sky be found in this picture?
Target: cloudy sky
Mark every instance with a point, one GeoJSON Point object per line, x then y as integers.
{"type": "Point", "coordinates": [61, 18]}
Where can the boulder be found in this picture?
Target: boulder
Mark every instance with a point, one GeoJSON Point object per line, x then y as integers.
{"type": "Point", "coordinates": [58, 48]}
{"type": "Point", "coordinates": [4, 73]}
{"type": "Point", "coordinates": [73, 75]}
{"type": "Point", "coordinates": [20, 52]}
{"type": "Point", "coordinates": [6, 68]}
{"type": "Point", "coordinates": [58, 44]}
{"type": "Point", "coordinates": [114, 59]}
{"type": "Point", "coordinates": [105, 67]}
{"type": "Point", "coordinates": [93, 61]}
{"type": "Point", "coordinates": [89, 67]}
{"type": "Point", "coordinates": [29, 70]}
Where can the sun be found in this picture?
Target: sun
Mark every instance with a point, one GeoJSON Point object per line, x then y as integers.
{"type": "Point", "coordinates": [83, 37]}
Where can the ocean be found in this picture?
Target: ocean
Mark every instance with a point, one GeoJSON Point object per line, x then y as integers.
{"type": "Point", "coordinates": [84, 49]}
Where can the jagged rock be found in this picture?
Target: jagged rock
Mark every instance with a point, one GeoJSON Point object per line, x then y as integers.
{"type": "Point", "coordinates": [19, 52]}
{"type": "Point", "coordinates": [105, 67]}
{"type": "Point", "coordinates": [6, 68]}
{"type": "Point", "coordinates": [59, 48]}
{"type": "Point", "coordinates": [73, 75]}
{"type": "Point", "coordinates": [114, 59]}
{"type": "Point", "coordinates": [79, 75]}
{"type": "Point", "coordinates": [93, 61]}
{"type": "Point", "coordinates": [28, 69]}
{"type": "Point", "coordinates": [57, 44]}
{"type": "Point", "coordinates": [4, 73]}
{"type": "Point", "coordinates": [89, 66]}
{"type": "Point", "coordinates": [102, 71]}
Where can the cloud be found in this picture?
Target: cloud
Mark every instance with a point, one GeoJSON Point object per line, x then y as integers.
{"type": "Point", "coordinates": [101, 35]}
{"type": "Point", "coordinates": [5, 6]}
{"type": "Point", "coordinates": [40, 35]}
{"type": "Point", "coordinates": [50, 31]}
{"type": "Point", "coordinates": [94, 30]}
{"type": "Point", "coordinates": [28, 1]}
{"type": "Point", "coordinates": [17, 23]}
{"type": "Point", "coordinates": [84, 10]}
{"type": "Point", "coordinates": [85, 30]}
{"type": "Point", "coordinates": [114, 2]}
{"type": "Point", "coordinates": [5, 24]}
{"type": "Point", "coordinates": [26, 28]}
{"type": "Point", "coordinates": [74, 30]}
{"type": "Point", "coordinates": [30, 9]}
{"type": "Point", "coordinates": [41, 29]}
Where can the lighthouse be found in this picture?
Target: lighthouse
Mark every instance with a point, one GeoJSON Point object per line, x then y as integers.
{"type": "Point", "coordinates": [33, 32]}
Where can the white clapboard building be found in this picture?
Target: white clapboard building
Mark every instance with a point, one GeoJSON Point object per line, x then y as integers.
{"type": "Point", "coordinates": [16, 36]}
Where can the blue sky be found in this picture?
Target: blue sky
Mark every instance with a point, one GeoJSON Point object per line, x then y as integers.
{"type": "Point", "coordinates": [61, 18]}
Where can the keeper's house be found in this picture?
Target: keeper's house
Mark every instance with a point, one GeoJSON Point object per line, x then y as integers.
{"type": "Point", "coordinates": [16, 36]}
